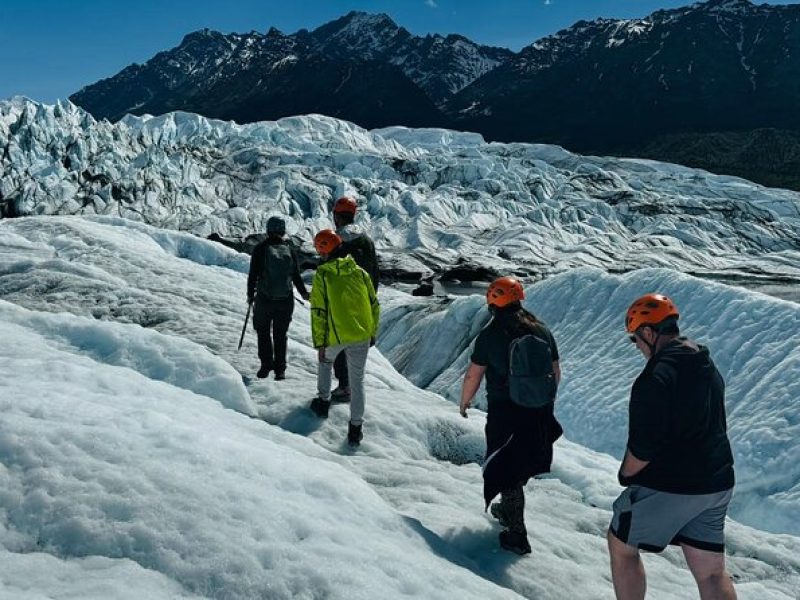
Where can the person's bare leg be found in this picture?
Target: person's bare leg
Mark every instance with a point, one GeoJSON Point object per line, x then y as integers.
{"type": "Point", "coordinates": [708, 569]}
{"type": "Point", "coordinates": [627, 570]}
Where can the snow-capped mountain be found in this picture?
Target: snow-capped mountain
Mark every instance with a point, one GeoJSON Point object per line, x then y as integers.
{"type": "Point", "coordinates": [360, 67]}
{"type": "Point", "coordinates": [611, 85]}
{"type": "Point", "coordinates": [432, 199]}
{"type": "Point", "coordinates": [440, 65]}
{"type": "Point", "coordinates": [608, 86]}
{"type": "Point", "coordinates": [252, 77]}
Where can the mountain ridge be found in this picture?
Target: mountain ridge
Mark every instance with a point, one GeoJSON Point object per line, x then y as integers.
{"type": "Point", "coordinates": [607, 86]}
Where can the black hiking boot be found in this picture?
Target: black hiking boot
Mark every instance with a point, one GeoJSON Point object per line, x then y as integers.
{"type": "Point", "coordinates": [263, 372]}
{"type": "Point", "coordinates": [515, 542]}
{"type": "Point", "coordinates": [340, 394]}
{"type": "Point", "coordinates": [354, 434]}
{"type": "Point", "coordinates": [320, 407]}
{"type": "Point", "coordinates": [280, 375]}
{"type": "Point", "coordinates": [499, 513]}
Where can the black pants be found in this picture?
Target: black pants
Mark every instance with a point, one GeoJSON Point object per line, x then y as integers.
{"type": "Point", "coordinates": [271, 320]}
{"type": "Point", "coordinates": [340, 370]}
{"type": "Point", "coordinates": [513, 503]}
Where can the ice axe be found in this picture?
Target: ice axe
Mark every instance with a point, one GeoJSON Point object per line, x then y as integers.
{"type": "Point", "coordinates": [244, 327]}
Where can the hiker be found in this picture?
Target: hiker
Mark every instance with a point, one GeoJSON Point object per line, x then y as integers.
{"type": "Point", "coordinates": [678, 466]}
{"type": "Point", "coordinates": [344, 321]}
{"type": "Point", "coordinates": [519, 357]}
{"type": "Point", "coordinates": [358, 245]}
{"type": "Point", "coordinates": [273, 270]}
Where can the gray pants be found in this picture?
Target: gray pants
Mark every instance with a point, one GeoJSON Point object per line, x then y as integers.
{"type": "Point", "coordinates": [650, 520]}
{"type": "Point", "coordinates": [356, 355]}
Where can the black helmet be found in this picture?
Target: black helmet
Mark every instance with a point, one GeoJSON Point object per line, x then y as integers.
{"type": "Point", "coordinates": [276, 226]}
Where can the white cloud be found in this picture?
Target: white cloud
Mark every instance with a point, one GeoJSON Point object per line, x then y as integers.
{"type": "Point", "coordinates": [432, 3]}
{"type": "Point", "coordinates": [548, 2]}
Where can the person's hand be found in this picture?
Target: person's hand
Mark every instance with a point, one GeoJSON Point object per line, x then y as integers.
{"type": "Point", "coordinates": [371, 342]}
{"type": "Point", "coordinates": [463, 406]}
{"type": "Point", "coordinates": [321, 354]}
{"type": "Point", "coordinates": [623, 481]}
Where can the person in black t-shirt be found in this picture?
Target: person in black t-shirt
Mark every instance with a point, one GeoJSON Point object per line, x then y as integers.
{"type": "Point", "coordinates": [519, 440]}
{"type": "Point", "coordinates": [678, 466]}
{"type": "Point", "coordinates": [273, 270]}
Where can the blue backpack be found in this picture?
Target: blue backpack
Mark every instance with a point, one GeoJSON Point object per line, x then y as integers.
{"type": "Point", "coordinates": [531, 379]}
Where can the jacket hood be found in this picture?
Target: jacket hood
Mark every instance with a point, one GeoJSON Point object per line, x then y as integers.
{"type": "Point", "coordinates": [339, 266]}
{"type": "Point", "coordinates": [683, 351]}
{"type": "Point", "coordinates": [349, 232]}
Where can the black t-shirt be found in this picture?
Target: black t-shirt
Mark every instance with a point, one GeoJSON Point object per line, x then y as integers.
{"type": "Point", "coordinates": [491, 351]}
{"type": "Point", "coordinates": [677, 422]}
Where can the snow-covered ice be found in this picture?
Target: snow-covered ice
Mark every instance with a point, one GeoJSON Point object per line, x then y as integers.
{"type": "Point", "coordinates": [128, 471]}
{"type": "Point", "coordinates": [754, 340]}
{"type": "Point", "coordinates": [437, 195]}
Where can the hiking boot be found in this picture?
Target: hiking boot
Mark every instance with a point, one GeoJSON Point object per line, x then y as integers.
{"type": "Point", "coordinates": [499, 513]}
{"type": "Point", "coordinates": [340, 394]}
{"type": "Point", "coordinates": [515, 542]}
{"type": "Point", "coordinates": [354, 434]}
{"type": "Point", "coordinates": [280, 375]}
{"type": "Point", "coordinates": [263, 372]}
{"type": "Point", "coordinates": [320, 407]}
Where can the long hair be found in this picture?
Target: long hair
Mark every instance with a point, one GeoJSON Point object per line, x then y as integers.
{"type": "Point", "coordinates": [517, 320]}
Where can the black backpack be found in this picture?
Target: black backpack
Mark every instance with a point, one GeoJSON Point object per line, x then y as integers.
{"type": "Point", "coordinates": [531, 379]}
{"type": "Point", "coordinates": [275, 282]}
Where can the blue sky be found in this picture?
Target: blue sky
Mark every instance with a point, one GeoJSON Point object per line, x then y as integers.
{"type": "Point", "coordinates": [49, 49]}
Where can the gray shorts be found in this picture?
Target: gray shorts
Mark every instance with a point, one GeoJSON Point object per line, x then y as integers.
{"type": "Point", "coordinates": [650, 520]}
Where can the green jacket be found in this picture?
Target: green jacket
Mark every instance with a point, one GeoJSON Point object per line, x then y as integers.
{"type": "Point", "coordinates": [344, 307]}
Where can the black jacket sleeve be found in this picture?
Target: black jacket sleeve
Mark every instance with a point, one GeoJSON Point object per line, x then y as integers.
{"type": "Point", "coordinates": [648, 418]}
{"type": "Point", "coordinates": [374, 271]}
{"type": "Point", "coordinates": [256, 268]}
{"type": "Point", "coordinates": [362, 250]}
{"type": "Point", "coordinates": [297, 277]}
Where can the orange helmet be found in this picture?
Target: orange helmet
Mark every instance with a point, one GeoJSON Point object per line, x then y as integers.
{"type": "Point", "coordinates": [326, 241]}
{"type": "Point", "coordinates": [345, 205]}
{"type": "Point", "coordinates": [504, 291]}
{"type": "Point", "coordinates": [650, 309]}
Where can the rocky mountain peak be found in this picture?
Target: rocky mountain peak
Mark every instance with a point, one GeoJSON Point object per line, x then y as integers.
{"type": "Point", "coordinates": [356, 25]}
{"type": "Point", "coordinates": [735, 5]}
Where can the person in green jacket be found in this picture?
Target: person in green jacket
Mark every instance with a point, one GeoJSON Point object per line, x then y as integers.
{"type": "Point", "coordinates": [344, 318]}
{"type": "Point", "coordinates": [358, 245]}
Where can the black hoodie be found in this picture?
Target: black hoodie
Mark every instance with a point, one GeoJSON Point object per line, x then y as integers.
{"type": "Point", "coordinates": [677, 423]}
